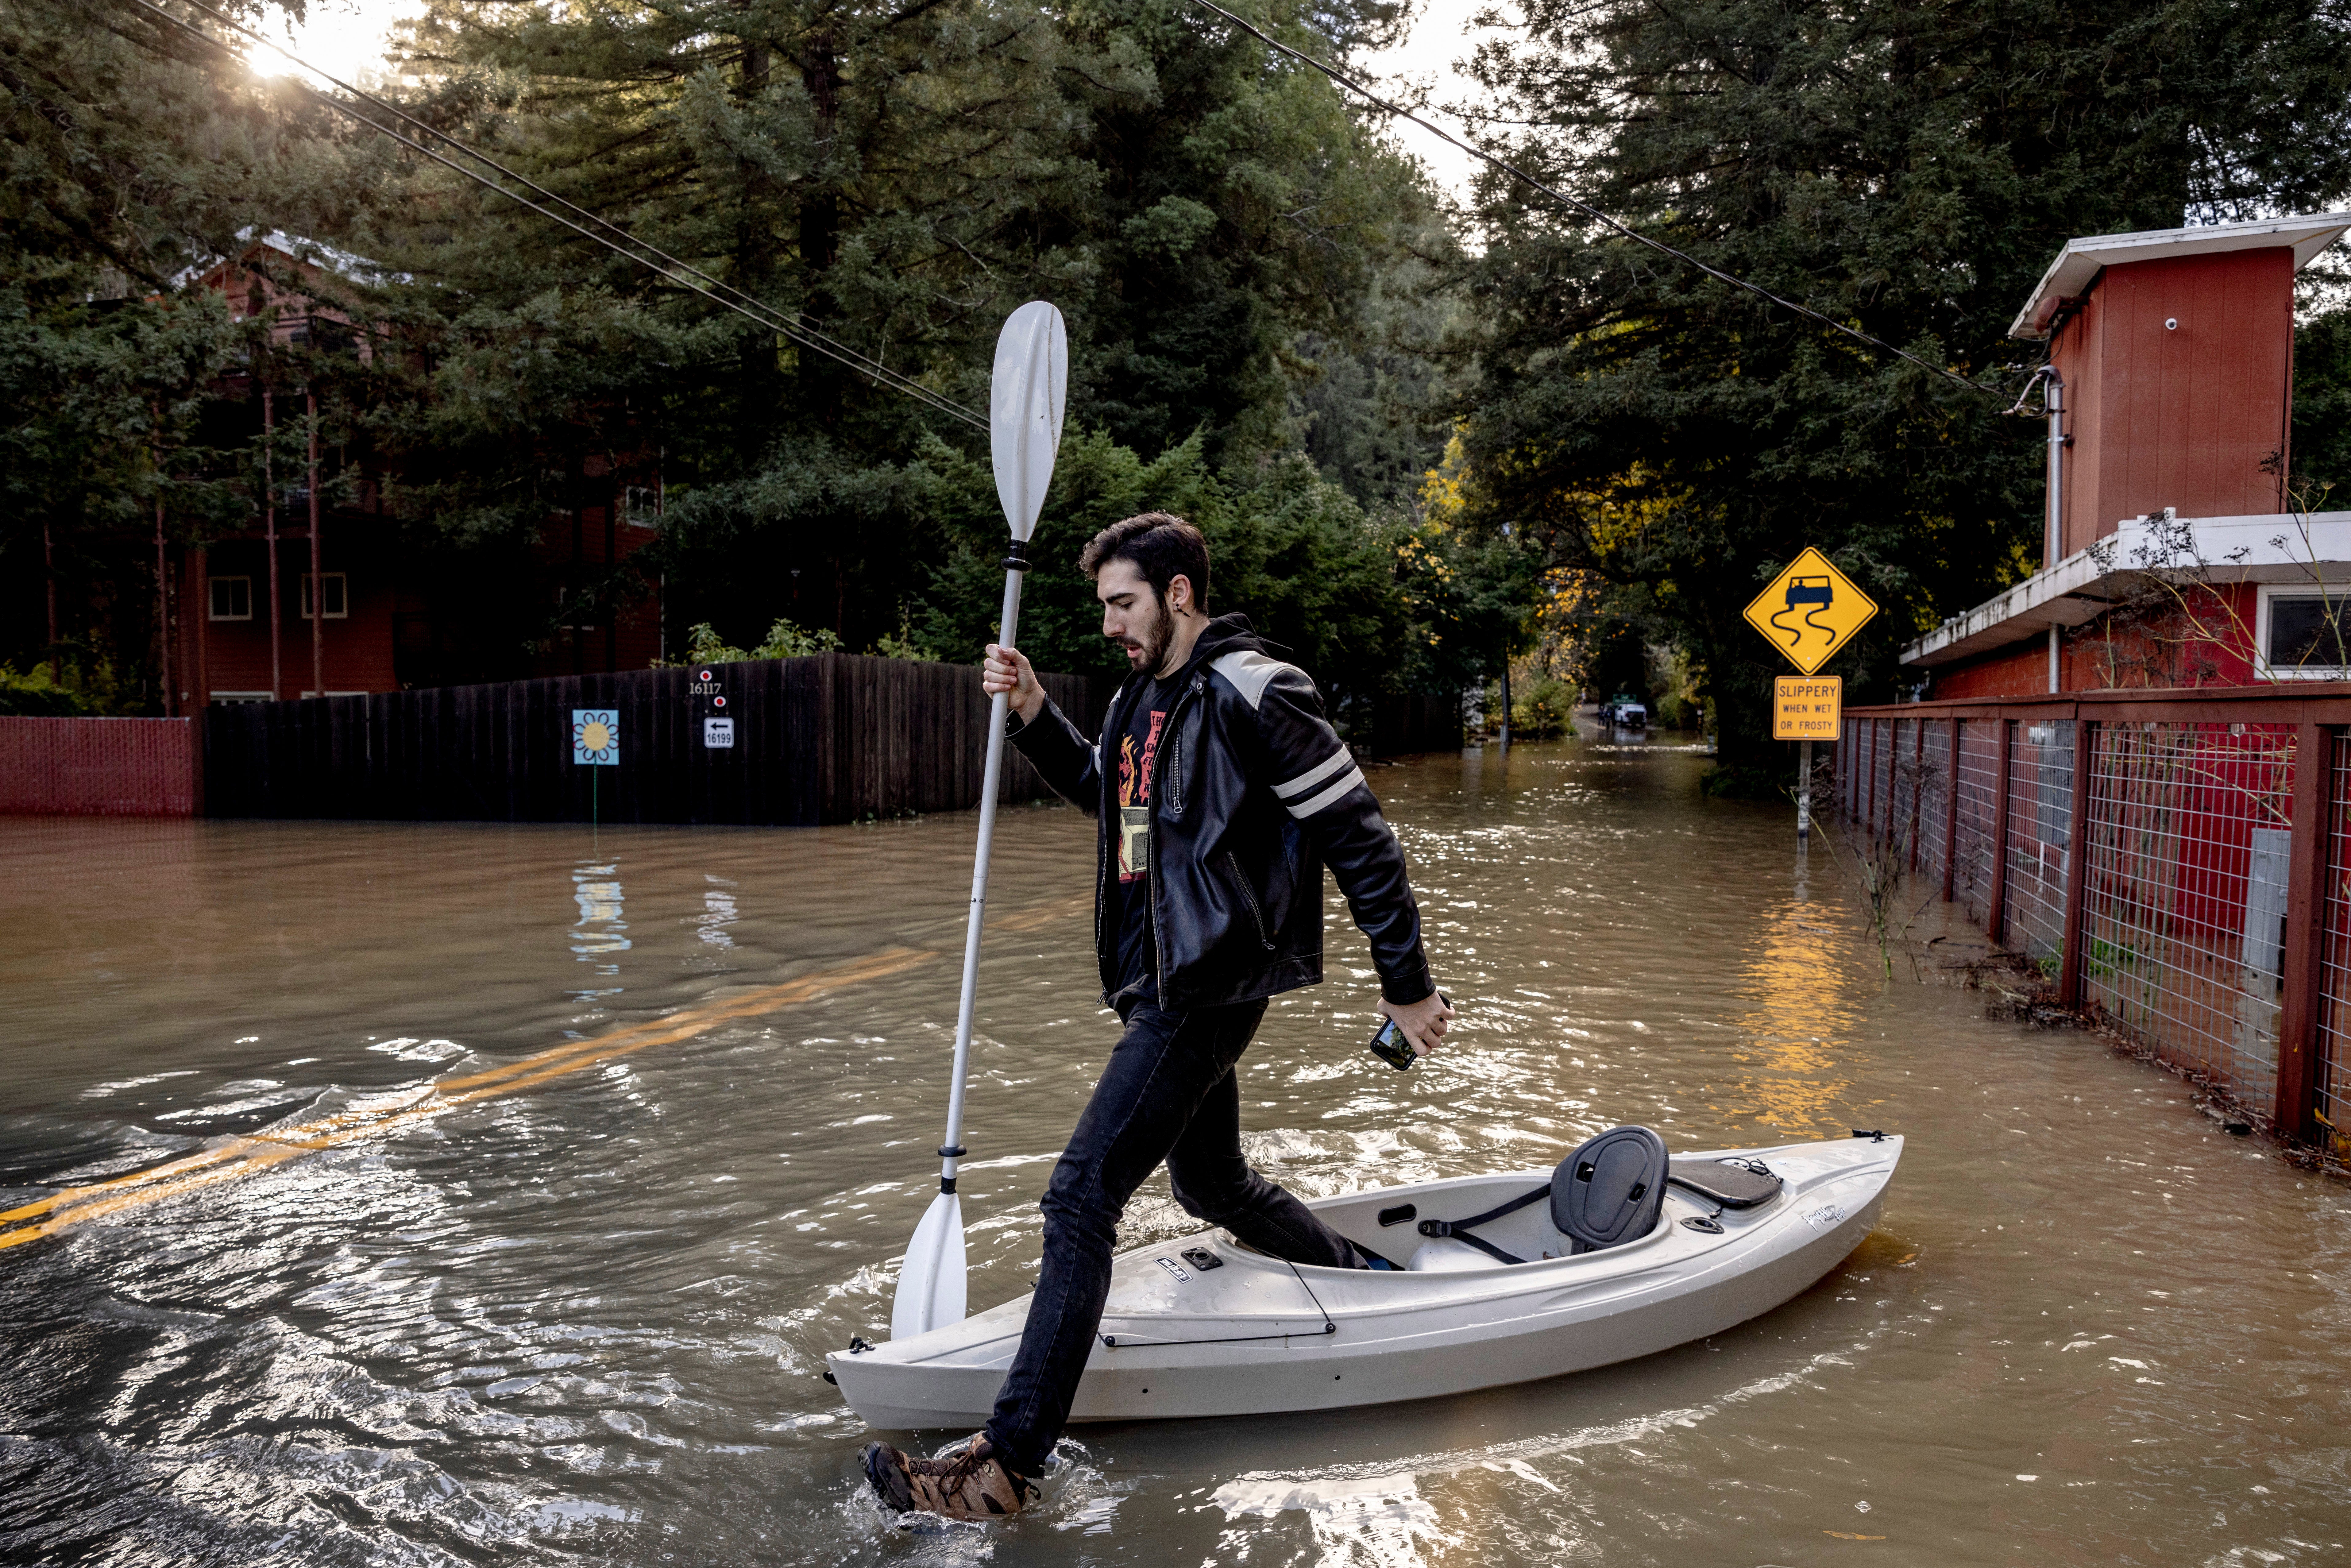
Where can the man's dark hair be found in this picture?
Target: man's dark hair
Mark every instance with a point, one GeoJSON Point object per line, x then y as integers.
{"type": "Point", "coordinates": [1162, 547]}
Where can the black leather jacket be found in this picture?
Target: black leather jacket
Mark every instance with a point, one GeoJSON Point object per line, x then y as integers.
{"type": "Point", "coordinates": [1253, 793]}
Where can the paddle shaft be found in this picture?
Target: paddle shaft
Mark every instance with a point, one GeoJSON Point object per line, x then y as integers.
{"type": "Point", "coordinates": [991, 780]}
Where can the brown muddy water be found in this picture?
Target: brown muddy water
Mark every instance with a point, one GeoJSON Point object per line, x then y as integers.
{"type": "Point", "coordinates": [572, 1308]}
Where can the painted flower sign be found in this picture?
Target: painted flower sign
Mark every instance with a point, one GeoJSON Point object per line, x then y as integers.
{"type": "Point", "coordinates": [595, 736]}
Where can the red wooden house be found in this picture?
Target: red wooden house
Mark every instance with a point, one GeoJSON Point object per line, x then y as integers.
{"type": "Point", "coordinates": [2169, 392]}
{"type": "Point", "coordinates": [243, 626]}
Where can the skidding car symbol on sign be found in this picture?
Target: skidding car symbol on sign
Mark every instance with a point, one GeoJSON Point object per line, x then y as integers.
{"type": "Point", "coordinates": [1809, 610]}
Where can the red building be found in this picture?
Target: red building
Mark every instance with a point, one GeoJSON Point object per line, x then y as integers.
{"type": "Point", "coordinates": [394, 616]}
{"type": "Point", "coordinates": [2174, 555]}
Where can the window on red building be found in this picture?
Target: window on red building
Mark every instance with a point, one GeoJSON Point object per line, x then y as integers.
{"type": "Point", "coordinates": [332, 588]}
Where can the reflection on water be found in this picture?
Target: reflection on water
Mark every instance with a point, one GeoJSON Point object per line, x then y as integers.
{"type": "Point", "coordinates": [571, 1304]}
{"type": "Point", "coordinates": [1797, 1041]}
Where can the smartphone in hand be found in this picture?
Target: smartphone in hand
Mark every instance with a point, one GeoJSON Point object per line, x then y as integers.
{"type": "Point", "coordinates": [1391, 1046]}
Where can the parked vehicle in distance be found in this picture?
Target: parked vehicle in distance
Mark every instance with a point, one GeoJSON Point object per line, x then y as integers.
{"type": "Point", "coordinates": [1625, 712]}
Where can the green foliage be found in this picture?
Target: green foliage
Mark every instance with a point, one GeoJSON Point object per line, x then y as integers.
{"type": "Point", "coordinates": [784, 641]}
{"type": "Point", "coordinates": [905, 175]}
{"type": "Point", "coordinates": [2321, 474]}
{"type": "Point", "coordinates": [1288, 548]}
{"type": "Point", "coordinates": [1542, 707]}
{"type": "Point", "coordinates": [1909, 170]}
{"type": "Point", "coordinates": [901, 645]}
{"type": "Point", "coordinates": [35, 694]}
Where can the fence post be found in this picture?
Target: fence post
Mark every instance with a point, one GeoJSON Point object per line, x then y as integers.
{"type": "Point", "coordinates": [1996, 907]}
{"type": "Point", "coordinates": [2077, 857]}
{"type": "Point", "coordinates": [2305, 921]}
{"type": "Point", "coordinates": [1951, 812]}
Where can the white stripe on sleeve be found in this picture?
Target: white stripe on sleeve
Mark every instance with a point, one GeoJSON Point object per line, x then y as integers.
{"type": "Point", "coordinates": [1346, 781]}
{"type": "Point", "coordinates": [1314, 775]}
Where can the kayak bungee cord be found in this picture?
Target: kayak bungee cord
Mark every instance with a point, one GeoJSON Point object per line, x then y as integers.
{"type": "Point", "coordinates": [794, 328]}
{"type": "Point", "coordinates": [1586, 208]}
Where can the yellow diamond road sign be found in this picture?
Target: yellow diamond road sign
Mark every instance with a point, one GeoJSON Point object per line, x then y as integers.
{"type": "Point", "coordinates": [1811, 611]}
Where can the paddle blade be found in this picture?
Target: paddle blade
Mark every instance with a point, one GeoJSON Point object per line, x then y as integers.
{"type": "Point", "coordinates": [1024, 410]}
{"type": "Point", "coordinates": [930, 1287]}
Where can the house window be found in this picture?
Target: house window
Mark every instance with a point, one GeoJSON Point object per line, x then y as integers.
{"type": "Point", "coordinates": [2305, 633]}
{"type": "Point", "coordinates": [231, 598]}
{"type": "Point", "coordinates": [332, 588]}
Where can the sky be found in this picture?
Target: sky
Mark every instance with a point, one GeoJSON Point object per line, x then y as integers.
{"type": "Point", "coordinates": [1441, 36]}
{"type": "Point", "coordinates": [343, 37]}
{"type": "Point", "coordinates": [346, 37]}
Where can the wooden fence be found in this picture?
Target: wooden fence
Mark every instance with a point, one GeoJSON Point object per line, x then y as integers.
{"type": "Point", "coordinates": [834, 738]}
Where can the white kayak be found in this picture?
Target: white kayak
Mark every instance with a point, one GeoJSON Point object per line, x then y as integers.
{"type": "Point", "coordinates": [1204, 1325]}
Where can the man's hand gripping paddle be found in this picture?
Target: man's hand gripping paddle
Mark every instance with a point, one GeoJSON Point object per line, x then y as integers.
{"type": "Point", "coordinates": [1024, 420]}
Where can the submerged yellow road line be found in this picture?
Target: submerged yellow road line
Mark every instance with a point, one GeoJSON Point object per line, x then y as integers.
{"type": "Point", "coordinates": [244, 1155]}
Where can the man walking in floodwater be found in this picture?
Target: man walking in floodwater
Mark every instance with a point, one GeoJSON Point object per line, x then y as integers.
{"type": "Point", "coordinates": [1222, 792]}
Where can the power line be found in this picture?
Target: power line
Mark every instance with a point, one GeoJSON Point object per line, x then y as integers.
{"type": "Point", "coordinates": [1586, 208]}
{"type": "Point", "coordinates": [681, 273]}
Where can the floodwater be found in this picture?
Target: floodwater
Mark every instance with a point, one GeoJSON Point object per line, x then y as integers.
{"type": "Point", "coordinates": [572, 1308]}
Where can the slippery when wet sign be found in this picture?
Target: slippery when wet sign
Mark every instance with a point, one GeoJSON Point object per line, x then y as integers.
{"type": "Point", "coordinates": [1807, 707]}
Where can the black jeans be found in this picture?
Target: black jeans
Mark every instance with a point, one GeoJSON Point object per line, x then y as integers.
{"type": "Point", "coordinates": [1168, 1093]}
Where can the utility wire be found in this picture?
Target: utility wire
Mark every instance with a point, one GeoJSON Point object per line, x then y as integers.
{"type": "Point", "coordinates": [1586, 208]}
{"type": "Point", "coordinates": [679, 272]}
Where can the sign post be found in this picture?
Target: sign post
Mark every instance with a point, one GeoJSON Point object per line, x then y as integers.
{"type": "Point", "coordinates": [1809, 611]}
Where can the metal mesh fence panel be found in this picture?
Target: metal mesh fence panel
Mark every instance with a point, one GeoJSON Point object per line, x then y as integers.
{"type": "Point", "coordinates": [1972, 847]}
{"type": "Point", "coordinates": [1934, 799]}
{"type": "Point", "coordinates": [1866, 781]}
{"type": "Point", "coordinates": [1906, 789]}
{"type": "Point", "coordinates": [1881, 805]}
{"type": "Point", "coordinates": [2335, 962]}
{"type": "Point", "coordinates": [2040, 836]}
{"type": "Point", "coordinates": [2184, 902]}
{"type": "Point", "coordinates": [1844, 766]}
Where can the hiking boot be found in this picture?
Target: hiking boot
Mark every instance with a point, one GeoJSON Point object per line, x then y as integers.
{"type": "Point", "coordinates": [970, 1484]}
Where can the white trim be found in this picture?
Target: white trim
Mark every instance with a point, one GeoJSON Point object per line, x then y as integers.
{"type": "Point", "coordinates": [2270, 592]}
{"type": "Point", "coordinates": [1352, 776]}
{"type": "Point", "coordinates": [1314, 775]}
{"type": "Point", "coordinates": [2079, 264]}
{"type": "Point", "coordinates": [1249, 673]}
{"type": "Point", "coordinates": [229, 699]}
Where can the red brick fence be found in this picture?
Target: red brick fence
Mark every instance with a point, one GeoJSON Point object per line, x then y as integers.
{"type": "Point", "coordinates": [2176, 862]}
{"type": "Point", "coordinates": [99, 766]}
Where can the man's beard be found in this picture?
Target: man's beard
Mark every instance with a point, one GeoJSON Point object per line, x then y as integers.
{"type": "Point", "coordinates": [1155, 642]}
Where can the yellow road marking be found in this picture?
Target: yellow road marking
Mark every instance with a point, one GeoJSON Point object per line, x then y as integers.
{"type": "Point", "coordinates": [243, 1156]}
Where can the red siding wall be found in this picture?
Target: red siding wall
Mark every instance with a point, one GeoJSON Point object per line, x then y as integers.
{"type": "Point", "coordinates": [98, 767]}
{"type": "Point", "coordinates": [236, 653]}
{"type": "Point", "coordinates": [2178, 417]}
{"type": "Point", "coordinates": [2206, 641]}
{"type": "Point", "coordinates": [2022, 670]}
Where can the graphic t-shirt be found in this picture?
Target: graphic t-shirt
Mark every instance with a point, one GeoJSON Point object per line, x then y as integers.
{"type": "Point", "coordinates": [1135, 753]}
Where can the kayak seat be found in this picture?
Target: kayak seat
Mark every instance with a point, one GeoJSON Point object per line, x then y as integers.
{"type": "Point", "coordinates": [1730, 1183]}
{"type": "Point", "coordinates": [1610, 1191]}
